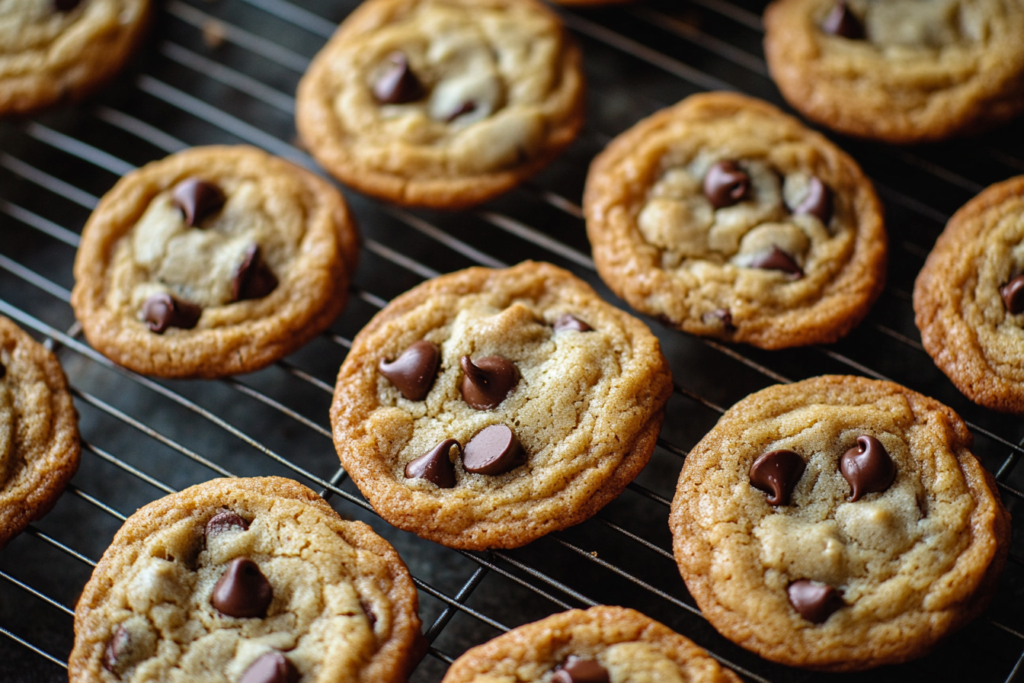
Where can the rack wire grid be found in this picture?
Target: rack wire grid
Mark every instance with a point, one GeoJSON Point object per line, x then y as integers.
{"type": "Point", "coordinates": [224, 72]}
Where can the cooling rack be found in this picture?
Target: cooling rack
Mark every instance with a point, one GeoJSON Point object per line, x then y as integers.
{"type": "Point", "coordinates": [225, 72]}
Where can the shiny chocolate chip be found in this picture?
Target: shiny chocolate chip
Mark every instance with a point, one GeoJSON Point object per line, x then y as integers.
{"type": "Point", "coordinates": [1013, 295]}
{"type": "Point", "coordinates": [487, 381]}
{"type": "Point", "coordinates": [818, 201]}
{"type": "Point", "coordinates": [868, 467]}
{"type": "Point", "coordinates": [567, 322]}
{"type": "Point", "coordinates": [272, 667]}
{"type": "Point", "coordinates": [3, 370]}
{"type": "Point", "coordinates": [253, 278]}
{"type": "Point", "coordinates": [464, 108]}
{"type": "Point", "coordinates": [777, 473]}
{"type": "Point", "coordinates": [776, 259]}
{"type": "Point", "coordinates": [435, 465]}
{"type": "Point", "coordinates": [414, 371]}
{"type": "Point", "coordinates": [242, 591]}
{"type": "Point", "coordinates": [842, 22]}
{"type": "Point", "coordinates": [814, 601]}
{"type": "Point", "coordinates": [719, 316]}
{"type": "Point", "coordinates": [494, 450]}
{"type": "Point", "coordinates": [397, 84]}
{"type": "Point", "coordinates": [119, 644]}
{"type": "Point", "coordinates": [225, 521]}
{"type": "Point", "coordinates": [197, 199]}
{"type": "Point", "coordinates": [66, 5]}
{"type": "Point", "coordinates": [578, 670]}
{"type": "Point", "coordinates": [163, 310]}
{"type": "Point", "coordinates": [725, 184]}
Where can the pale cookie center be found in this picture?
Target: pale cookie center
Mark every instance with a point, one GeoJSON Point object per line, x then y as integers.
{"type": "Point", "coordinates": [896, 25]}
{"type": "Point", "coordinates": [30, 25]}
{"type": "Point", "coordinates": [640, 663]}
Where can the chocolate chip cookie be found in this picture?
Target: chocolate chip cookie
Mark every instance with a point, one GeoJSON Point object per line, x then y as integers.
{"type": "Point", "coordinates": [53, 50]}
{"type": "Point", "coordinates": [902, 71]}
{"type": "Point", "coordinates": [248, 580]}
{"type": "Point", "coordinates": [39, 444]}
{"type": "Point", "coordinates": [212, 262]}
{"type": "Point", "coordinates": [599, 645]}
{"type": "Point", "coordinates": [969, 298]}
{"type": "Point", "coordinates": [838, 523]}
{"type": "Point", "coordinates": [487, 408]}
{"type": "Point", "coordinates": [442, 103]}
{"type": "Point", "coordinates": [727, 218]}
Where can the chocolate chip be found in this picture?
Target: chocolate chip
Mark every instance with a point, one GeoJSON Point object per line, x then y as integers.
{"type": "Point", "coordinates": [776, 259]}
{"type": "Point", "coordinates": [868, 467]}
{"type": "Point", "coordinates": [488, 381]}
{"type": "Point", "coordinates": [414, 371]}
{"type": "Point", "coordinates": [242, 591]}
{"type": "Point", "coordinates": [397, 84]}
{"type": "Point", "coordinates": [163, 310]}
{"type": "Point", "coordinates": [814, 601]}
{"type": "Point", "coordinates": [777, 473]}
{"type": "Point", "coordinates": [465, 108]}
{"type": "Point", "coordinates": [725, 184]}
{"type": "Point", "coordinates": [1013, 295]}
{"type": "Point", "coordinates": [370, 616]}
{"type": "Point", "coordinates": [225, 521]}
{"type": "Point", "coordinates": [567, 322]}
{"type": "Point", "coordinates": [119, 644]}
{"type": "Point", "coordinates": [3, 370]}
{"type": "Point", "coordinates": [818, 201]}
{"type": "Point", "coordinates": [494, 450]}
{"type": "Point", "coordinates": [435, 465]}
{"type": "Point", "coordinates": [253, 279]}
{"type": "Point", "coordinates": [842, 22]}
{"type": "Point", "coordinates": [197, 199]}
{"type": "Point", "coordinates": [66, 5]}
{"type": "Point", "coordinates": [720, 316]}
{"type": "Point", "coordinates": [272, 667]}
{"type": "Point", "coordinates": [579, 670]}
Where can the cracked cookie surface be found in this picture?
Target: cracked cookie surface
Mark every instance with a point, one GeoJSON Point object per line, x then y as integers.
{"type": "Point", "coordinates": [821, 580]}
{"type": "Point", "coordinates": [342, 606]}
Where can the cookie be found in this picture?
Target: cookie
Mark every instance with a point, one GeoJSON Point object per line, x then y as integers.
{"type": "Point", "coordinates": [246, 580]}
{"type": "Point", "coordinates": [969, 298]}
{"type": "Point", "coordinates": [901, 71]}
{"type": "Point", "coordinates": [726, 218]}
{"type": "Point", "coordinates": [54, 50]}
{"type": "Point", "coordinates": [39, 443]}
{"type": "Point", "coordinates": [214, 261]}
{"type": "Point", "coordinates": [487, 408]}
{"type": "Point", "coordinates": [442, 103]}
{"type": "Point", "coordinates": [838, 523]}
{"type": "Point", "coordinates": [609, 644]}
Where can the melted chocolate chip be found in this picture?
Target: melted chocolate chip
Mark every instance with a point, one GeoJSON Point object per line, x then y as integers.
{"type": "Point", "coordinates": [814, 601]}
{"type": "Point", "coordinates": [842, 22]}
{"type": "Point", "coordinates": [397, 84]}
{"type": "Point", "coordinates": [225, 521]}
{"type": "Point", "coordinates": [464, 108]}
{"type": "Point", "coordinates": [118, 645]}
{"type": "Point", "coordinates": [868, 467]}
{"type": "Point", "coordinates": [197, 199]}
{"type": "Point", "coordinates": [776, 259]}
{"type": "Point", "coordinates": [242, 591]}
{"type": "Point", "coordinates": [720, 316]}
{"type": "Point", "coordinates": [1013, 295]}
{"type": "Point", "coordinates": [3, 370]}
{"type": "Point", "coordinates": [272, 667]}
{"type": "Point", "coordinates": [163, 310]}
{"type": "Point", "coordinates": [494, 450]}
{"type": "Point", "coordinates": [818, 201]}
{"type": "Point", "coordinates": [414, 371]}
{"type": "Point", "coordinates": [777, 473]}
{"type": "Point", "coordinates": [725, 184]}
{"type": "Point", "coordinates": [579, 670]}
{"type": "Point", "coordinates": [253, 279]}
{"type": "Point", "coordinates": [435, 465]}
{"type": "Point", "coordinates": [66, 5]}
{"type": "Point", "coordinates": [567, 322]}
{"type": "Point", "coordinates": [488, 381]}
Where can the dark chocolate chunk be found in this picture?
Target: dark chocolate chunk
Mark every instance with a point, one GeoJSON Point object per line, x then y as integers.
{"type": "Point", "coordinates": [370, 616]}
{"type": "Point", "coordinates": [3, 370]}
{"type": "Point", "coordinates": [578, 670]}
{"type": "Point", "coordinates": [567, 322]}
{"type": "Point", "coordinates": [777, 473]}
{"type": "Point", "coordinates": [868, 467]}
{"type": "Point", "coordinates": [719, 316]}
{"type": "Point", "coordinates": [814, 601]}
{"type": "Point", "coordinates": [253, 278]}
{"type": "Point", "coordinates": [272, 667]}
{"type": "Point", "coordinates": [119, 644]}
{"type": "Point", "coordinates": [242, 591]}
{"type": "Point", "coordinates": [842, 22]}
{"type": "Point", "coordinates": [1013, 295]}
{"type": "Point", "coordinates": [488, 381]}
{"type": "Point", "coordinates": [725, 184]}
{"type": "Point", "coordinates": [163, 310]}
{"type": "Point", "coordinates": [818, 201]}
{"type": "Point", "coordinates": [494, 450]}
{"type": "Point", "coordinates": [435, 465]}
{"type": "Point", "coordinates": [197, 199]}
{"type": "Point", "coordinates": [776, 259]}
{"type": "Point", "coordinates": [465, 108]}
{"type": "Point", "coordinates": [66, 5]}
{"type": "Point", "coordinates": [225, 521]}
{"type": "Point", "coordinates": [397, 84]}
{"type": "Point", "coordinates": [414, 371]}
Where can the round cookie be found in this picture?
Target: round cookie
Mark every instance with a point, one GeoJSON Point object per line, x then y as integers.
{"type": "Point", "coordinates": [967, 298]}
{"type": "Point", "coordinates": [39, 444]}
{"type": "Point", "coordinates": [620, 644]}
{"type": "Point", "coordinates": [901, 71]}
{"type": "Point", "coordinates": [838, 523]}
{"type": "Point", "coordinates": [487, 408]}
{"type": "Point", "coordinates": [53, 50]}
{"type": "Point", "coordinates": [236, 577]}
{"type": "Point", "coordinates": [724, 217]}
{"type": "Point", "coordinates": [211, 262]}
{"type": "Point", "coordinates": [442, 103]}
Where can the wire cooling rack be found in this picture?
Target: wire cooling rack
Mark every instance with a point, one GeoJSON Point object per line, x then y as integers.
{"type": "Point", "coordinates": [224, 72]}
